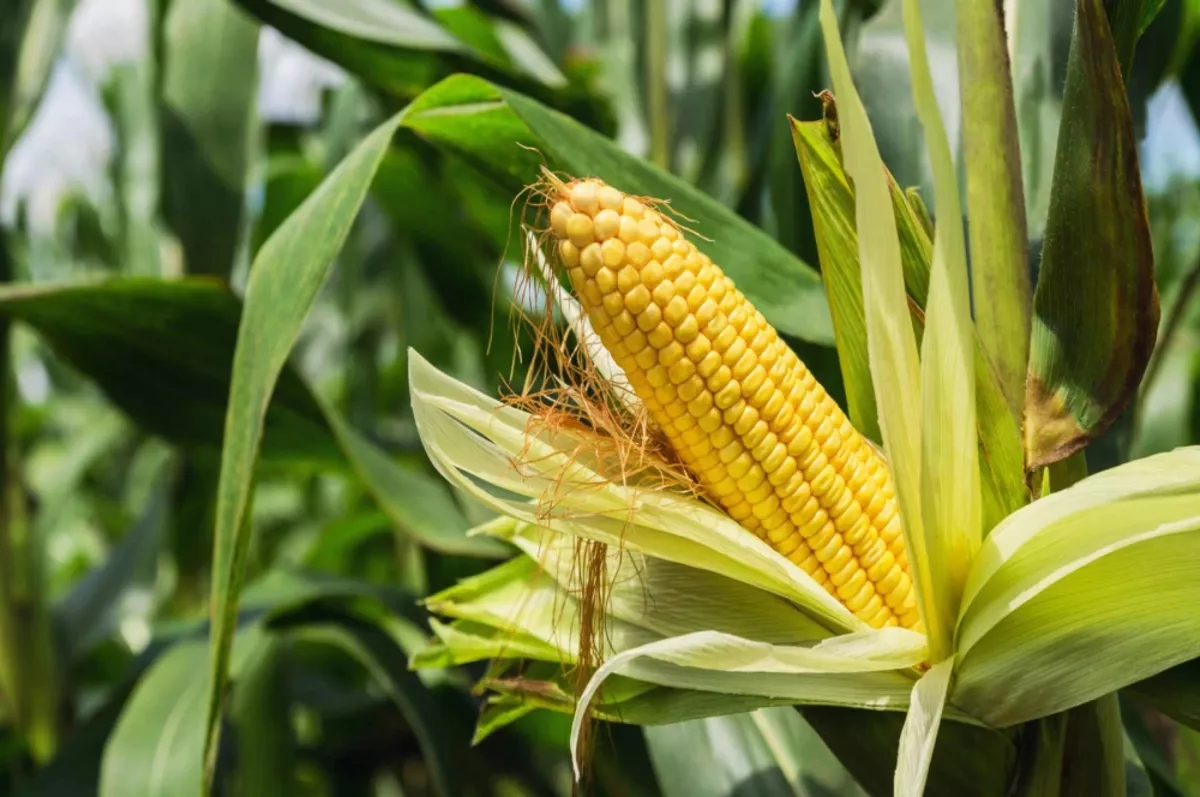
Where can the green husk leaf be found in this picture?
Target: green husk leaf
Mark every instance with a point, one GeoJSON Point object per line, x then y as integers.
{"type": "Point", "coordinates": [995, 198]}
{"type": "Point", "coordinates": [1083, 592]}
{"type": "Point", "coordinates": [472, 438]}
{"type": "Point", "coordinates": [671, 599]}
{"type": "Point", "coordinates": [950, 462]}
{"type": "Point", "coordinates": [831, 200]}
{"type": "Point", "coordinates": [1096, 305]}
{"type": "Point", "coordinates": [921, 730]}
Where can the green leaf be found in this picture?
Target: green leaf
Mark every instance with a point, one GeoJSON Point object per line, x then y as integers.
{"type": "Point", "coordinates": [995, 197]}
{"type": "Point", "coordinates": [831, 197]}
{"type": "Point", "coordinates": [949, 460]}
{"type": "Point", "coordinates": [92, 609]}
{"type": "Point", "coordinates": [1096, 306]}
{"type": "Point", "coordinates": [920, 731]}
{"type": "Point", "coordinates": [1034, 29]}
{"type": "Point", "coordinates": [416, 503]}
{"type": "Point", "coordinates": [156, 749]}
{"type": "Point", "coordinates": [162, 351]}
{"type": "Point", "coordinates": [509, 136]}
{"type": "Point", "coordinates": [395, 48]}
{"type": "Point", "coordinates": [771, 751]}
{"type": "Point", "coordinates": [290, 178]}
{"type": "Point", "coordinates": [501, 42]}
{"type": "Point", "coordinates": [284, 280]}
{"type": "Point", "coordinates": [1174, 692]}
{"type": "Point", "coordinates": [29, 45]}
{"type": "Point", "coordinates": [387, 665]}
{"type": "Point", "coordinates": [260, 710]}
{"type": "Point", "coordinates": [209, 88]}
{"type": "Point", "coordinates": [1083, 592]}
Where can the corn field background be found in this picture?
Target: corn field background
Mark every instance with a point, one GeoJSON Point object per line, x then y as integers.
{"type": "Point", "coordinates": [158, 158]}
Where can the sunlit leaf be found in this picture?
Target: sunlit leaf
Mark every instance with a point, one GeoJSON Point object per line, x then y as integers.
{"type": "Point", "coordinates": [1083, 592]}
{"type": "Point", "coordinates": [950, 462]}
{"type": "Point", "coordinates": [921, 730]}
{"type": "Point", "coordinates": [288, 272]}
{"type": "Point", "coordinates": [396, 48]}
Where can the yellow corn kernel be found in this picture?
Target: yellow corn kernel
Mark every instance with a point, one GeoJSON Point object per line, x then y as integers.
{"type": "Point", "coordinates": [741, 410]}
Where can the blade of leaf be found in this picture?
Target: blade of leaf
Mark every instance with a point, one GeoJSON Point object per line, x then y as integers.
{"type": "Point", "coordinates": [416, 503]}
{"type": "Point", "coordinates": [949, 461]}
{"type": "Point", "coordinates": [1096, 306]}
{"type": "Point", "coordinates": [892, 347]}
{"type": "Point", "coordinates": [509, 137]}
{"type": "Point", "coordinates": [285, 278]}
{"type": "Point", "coordinates": [209, 94]}
{"type": "Point", "coordinates": [391, 46]}
{"type": "Point", "coordinates": [127, 336]}
{"type": "Point", "coordinates": [1123, 614]}
{"type": "Point", "coordinates": [259, 711]}
{"type": "Point", "coordinates": [93, 607]}
{"type": "Point", "coordinates": [155, 751]}
{"type": "Point", "coordinates": [920, 731]}
{"type": "Point", "coordinates": [995, 197]}
{"type": "Point", "coordinates": [387, 664]}
{"type": "Point", "coordinates": [29, 45]}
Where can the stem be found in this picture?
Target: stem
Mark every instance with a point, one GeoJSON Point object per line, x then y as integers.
{"type": "Point", "coordinates": [657, 96]}
{"type": "Point", "coordinates": [995, 198]}
{"type": "Point", "coordinates": [27, 673]}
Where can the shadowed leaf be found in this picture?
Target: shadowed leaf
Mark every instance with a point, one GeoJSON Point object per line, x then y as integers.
{"type": "Point", "coordinates": [1096, 305]}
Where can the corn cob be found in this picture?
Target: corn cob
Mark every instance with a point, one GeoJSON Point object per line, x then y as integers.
{"type": "Point", "coordinates": [737, 405]}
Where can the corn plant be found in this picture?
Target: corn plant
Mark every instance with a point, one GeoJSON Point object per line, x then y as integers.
{"type": "Point", "coordinates": [967, 585]}
{"type": "Point", "coordinates": [757, 475]}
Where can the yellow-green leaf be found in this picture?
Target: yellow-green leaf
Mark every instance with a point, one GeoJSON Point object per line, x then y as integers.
{"type": "Point", "coordinates": [1083, 592]}
{"type": "Point", "coordinates": [950, 461]}
{"type": "Point", "coordinates": [921, 729]}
